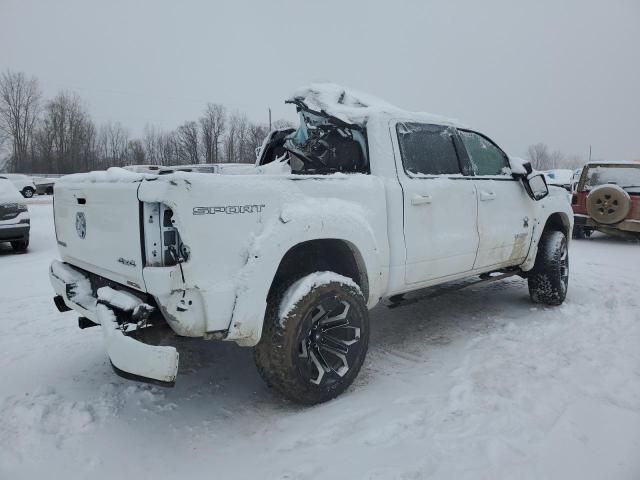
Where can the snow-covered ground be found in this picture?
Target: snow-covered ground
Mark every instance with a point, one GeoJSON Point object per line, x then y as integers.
{"type": "Point", "coordinates": [473, 384]}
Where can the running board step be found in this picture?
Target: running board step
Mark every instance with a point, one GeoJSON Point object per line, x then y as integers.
{"type": "Point", "coordinates": [432, 292]}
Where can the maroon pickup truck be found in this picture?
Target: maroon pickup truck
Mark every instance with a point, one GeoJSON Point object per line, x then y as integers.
{"type": "Point", "coordinates": [607, 199]}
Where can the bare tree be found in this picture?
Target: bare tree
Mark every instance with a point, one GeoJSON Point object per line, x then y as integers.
{"type": "Point", "coordinates": [244, 153]}
{"type": "Point", "coordinates": [187, 136]}
{"type": "Point", "coordinates": [135, 153]}
{"type": "Point", "coordinates": [557, 159]}
{"type": "Point", "coordinates": [212, 126]}
{"type": "Point", "coordinates": [539, 156]}
{"type": "Point", "coordinates": [543, 159]}
{"type": "Point", "coordinates": [150, 144]}
{"type": "Point", "coordinates": [113, 140]}
{"type": "Point", "coordinates": [87, 145]}
{"type": "Point", "coordinates": [19, 108]}
{"type": "Point", "coordinates": [574, 161]}
{"type": "Point", "coordinates": [231, 140]}
{"type": "Point", "coordinates": [4, 154]}
{"type": "Point", "coordinates": [257, 134]}
{"type": "Point", "coordinates": [66, 136]}
{"type": "Point", "coordinates": [161, 148]}
{"type": "Point", "coordinates": [62, 138]}
{"type": "Point", "coordinates": [169, 149]}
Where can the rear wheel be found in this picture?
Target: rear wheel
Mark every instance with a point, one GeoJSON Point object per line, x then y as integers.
{"type": "Point", "coordinates": [20, 245]}
{"type": "Point", "coordinates": [315, 351]}
{"type": "Point", "coordinates": [549, 278]}
{"type": "Point", "coordinates": [28, 192]}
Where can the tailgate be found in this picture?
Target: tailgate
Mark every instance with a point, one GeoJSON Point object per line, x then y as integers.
{"type": "Point", "coordinates": [98, 229]}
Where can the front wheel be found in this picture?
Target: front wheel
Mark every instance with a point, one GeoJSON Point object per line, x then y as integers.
{"type": "Point", "coordinates": [315, 338]}
{"type": "Point", "coordinates": [549, 278]}
{"type": "Point", "coordinates": [28, 192]}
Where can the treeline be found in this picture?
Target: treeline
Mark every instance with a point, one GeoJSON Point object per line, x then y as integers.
{"type": "Point", "coordinates": [58, 135]}
{"type": "Point", "coordinates": [543, 158]}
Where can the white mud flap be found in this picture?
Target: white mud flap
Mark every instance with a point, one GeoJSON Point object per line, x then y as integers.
{"type": "Point", "coordinates": [131, 358]}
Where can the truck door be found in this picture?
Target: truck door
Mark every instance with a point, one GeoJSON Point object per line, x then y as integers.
{"type": "Point", "coordinates": [440, 208]}
{"type": "Point", "coordinates": [505, 211]}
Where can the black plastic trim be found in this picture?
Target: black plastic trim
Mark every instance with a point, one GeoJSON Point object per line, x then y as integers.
{"type": "Point", "coordinates": [139, 378]}
{"type": "Point", "coordinates": [19, 232]}
{"type": "Point", "coordinates": [84, 322]}
{"type": "Point", "coordinates": [60, 305]}
{"type": "Point", "coordinates": [143, 249]}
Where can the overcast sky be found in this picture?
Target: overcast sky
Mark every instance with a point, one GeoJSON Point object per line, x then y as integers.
{"type": "Point", "coordinates": [563, 72]}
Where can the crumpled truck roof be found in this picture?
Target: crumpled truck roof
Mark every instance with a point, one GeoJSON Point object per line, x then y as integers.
{"type": "Point", "coordinates": [352, 106]}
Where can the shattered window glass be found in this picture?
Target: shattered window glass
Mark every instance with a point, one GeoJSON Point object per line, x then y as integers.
{"type": "Point", "coordinates": [485, 157]}
{"type": "Point", "coordinates": [427, 149]}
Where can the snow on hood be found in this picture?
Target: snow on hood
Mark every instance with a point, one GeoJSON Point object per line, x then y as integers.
{"type": "Point", "coordinates": [9, 193]}
{"type": "Point", "coordinates": [352, 106]}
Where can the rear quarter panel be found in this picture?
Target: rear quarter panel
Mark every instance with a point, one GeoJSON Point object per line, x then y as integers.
{"type": "Point", "coordinates": [239, 227]}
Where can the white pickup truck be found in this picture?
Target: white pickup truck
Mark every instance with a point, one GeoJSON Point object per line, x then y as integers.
{"type": "Point", "coordinates": [360, 204]}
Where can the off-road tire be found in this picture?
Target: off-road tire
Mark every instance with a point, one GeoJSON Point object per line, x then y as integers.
{"type": "Point", "coordinates": [278, 355]}
{"type": "Point", "coordinates": [28, 192]}
{"type": "Point", "coordinates": [549, 278]}
{"type": "Point", "coordinates": [20, 246]}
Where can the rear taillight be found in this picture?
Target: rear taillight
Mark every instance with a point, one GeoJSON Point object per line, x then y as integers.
{"type": "Point", "coordinates": [163, 245]}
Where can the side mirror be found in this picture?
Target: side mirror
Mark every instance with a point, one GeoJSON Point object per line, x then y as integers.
{"type": "Point", "coordinates": [520, 167]}
{"type": "Point", "coordinates": [536, 186]}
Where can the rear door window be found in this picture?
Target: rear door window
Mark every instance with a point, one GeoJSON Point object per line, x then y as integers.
{"type": "Point", "coordinates": [427, 149]}
{"type": "Point", "coordinates": [485, 157]}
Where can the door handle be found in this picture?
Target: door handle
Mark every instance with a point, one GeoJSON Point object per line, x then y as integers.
{"type": "Point", "coordinates": [484, 196]}
{"type": "Point", "coordinates": [420, 199]}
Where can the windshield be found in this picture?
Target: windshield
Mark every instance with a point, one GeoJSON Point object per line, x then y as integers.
{"type": "Point", "coordinates": [625, 177]}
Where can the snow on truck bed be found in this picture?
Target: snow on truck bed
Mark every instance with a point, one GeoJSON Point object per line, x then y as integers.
{"type": "Point", "coordinates": [474, 384]}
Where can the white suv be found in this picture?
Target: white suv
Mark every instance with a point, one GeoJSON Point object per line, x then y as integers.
{"type": "Point", "coordinates": [23, 183]}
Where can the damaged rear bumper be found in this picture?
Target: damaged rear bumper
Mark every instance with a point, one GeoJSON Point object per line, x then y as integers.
{"type": "Point", "coordinates": [133, 359]}
{"type": "Point", "coordinates": [121, 316]}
